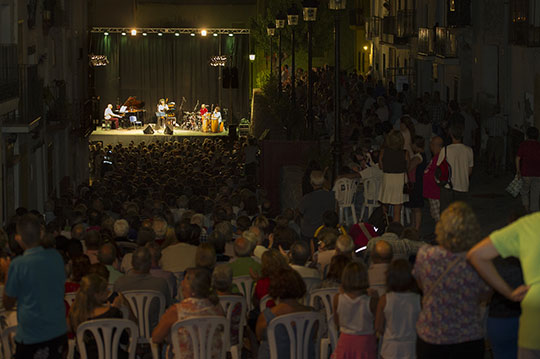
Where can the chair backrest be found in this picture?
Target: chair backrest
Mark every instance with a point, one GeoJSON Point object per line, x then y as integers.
{"type": "Point", "coordinates": [70, 298]}
{"type": "Point", "coordinates": [8, 341]}
{"type": "Point", "coordinates": [107, 333]}
{"type": "Point", "coordinates": [372, 187]}
{"type": "Point", "coordinates": [344, 189]}
{"type": "Point", "coordinates": [140, 302]}
{"type": "Point", "coordinates": [311, 283]}
{"type": "Point", "coordinates": [229, 303]}
{"type": "Point", "coordinates": [332, 332]}
{"type": "Point", "coordinates": [201, 332]}
{"type": "Point", "coordinates": [324, 296]}
{"type": "Point", "coordinates": [126, 247]}
{"type": "Point", "coordinates": [245, 286]}
{"type": "Point", "coordinates": [300, 328]}
{"type": "Point", "coordinates": [264, 300]}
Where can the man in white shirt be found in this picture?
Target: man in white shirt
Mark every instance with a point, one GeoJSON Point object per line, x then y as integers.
{"type": "Point", "coordinates": [111, 116]}
{"type": "Point", "coordinates": [460, 158]}
{"type": "Point", "coordinates": [299, 255]}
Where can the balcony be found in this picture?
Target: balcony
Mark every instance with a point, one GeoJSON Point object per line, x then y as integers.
{"type": "Point", "coordinates": [9, 73]}
{"type": "Point", "coordinates": [406, 23]}
{"type": "Point", "coordinates": [397, 29]}
{"type": "Point", "coordinates": [524, 34]}
{"type": "Point", "coordinates": [445, 43]}
{"type": "Point", "coordinates": [373, 27]}
{"type": "Point", "coordinates": [426, 41]}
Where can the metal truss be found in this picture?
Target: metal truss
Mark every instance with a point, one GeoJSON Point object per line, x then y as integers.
{"type": "Point", "coordinates": [171, 30]}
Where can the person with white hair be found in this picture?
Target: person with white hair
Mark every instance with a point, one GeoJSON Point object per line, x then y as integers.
{"type": "Point", "coordinates": [314, 204]}
{"type": "Point", "coordinates": [243, 263]}
{"type": "Point", "coordinates": [121, 229]}
{"type": "Point", "coordinates": [344, 245]}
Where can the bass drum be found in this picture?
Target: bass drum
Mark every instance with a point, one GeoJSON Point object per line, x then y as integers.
{"type": "Point", "coordinates": [205, 122]}
{"type": "Point", "coordinates": [215, 125]}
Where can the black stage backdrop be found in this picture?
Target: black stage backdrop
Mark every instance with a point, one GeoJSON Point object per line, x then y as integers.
{"type": "Point", "coordinates": [153, 67]}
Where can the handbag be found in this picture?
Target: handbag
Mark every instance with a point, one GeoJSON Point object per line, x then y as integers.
{"type": "Point", "coordinates": [443, 171]}
{"type": "Point", "coordinates": [379, 219]}
{"type": "Point", "coordinates": [514, 188]}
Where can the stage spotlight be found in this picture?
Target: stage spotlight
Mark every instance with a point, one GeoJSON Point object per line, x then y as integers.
{"type": "Point", "coordinates": [123, 34]}
{"type": "Point", "coordinates": [251, 57]}
{"type": "Point", "coordinates": [176, 34]}
{"type": "Point", "coordinates": [192, 34]}
{"type": "Point", "coordinates": [144, 34]}
{"type": "Point", "coordinates": [203, 32]}
{"type": "Point", "coordinates": [106, 33]}
{"type": "Point", "coordinates": [366, 47]}
{"type": "Point", "coordinates": [215, 34]}
{"type": "Point", "coordinates": [231, 34]}
{"type": "Point", "coordinates": [133, 32]}
{"type": "Point", "coordinates": [160, 34]}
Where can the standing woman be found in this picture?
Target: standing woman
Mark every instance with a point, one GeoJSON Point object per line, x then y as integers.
{"type": "Point", "coordinates": [406, 127]}
{"type": "Point", "coordinates": [393, 161]}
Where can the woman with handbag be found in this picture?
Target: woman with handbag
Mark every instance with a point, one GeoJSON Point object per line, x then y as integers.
{"type": "Point", "coordinates": [450, 323]}
{"type": "Point", "coordinates": [393, 161]}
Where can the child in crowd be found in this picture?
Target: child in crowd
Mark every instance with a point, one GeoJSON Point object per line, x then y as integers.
{"type": "Point", "coordinates": [353, 314]}
{"type": "Point", "coordinates": [397, 313]}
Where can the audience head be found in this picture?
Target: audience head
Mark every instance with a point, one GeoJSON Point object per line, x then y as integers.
{"type": "Point", "coordinates": [330, 219]}
{"type": "Point", "coordinates": [252, 237]}
{"type": "Point", "coordinates": [121, 228]}
{"type": "Point", "coordinates": [456, 131]}
{"type": "Point", "coordinates": [141, 260]}
{"type": "Point", "coordinates": [355, 278]}
{"type": "Point", "coordinates": [99, 269]}
{"type": "Point", "coordinates": [317, 179]}
{"type": "Point", "coordinates": [284, 237]}
{"type": "Point", "coordinates": [145, 235]}
{"type": "Point", "coordinates": [394, 140]}
{"type": "Point", "coordinates": [382, 253]}
{"type": "Point", "coordinates": [299, 253]}
{"type": "Point", "coordinates": [222, 278]}
{"type": "Point", "coordinates": [92, 239]}
{"type": "Point", "coordinates": [242, 247]}
{"type": "Point", "coordinates": [29, 231]}
{"type": "Point", "coordinates": [107, 254]}
{"type": "Point", "coordinates": [226, 229]}
{"type": "Point", "coordinates": [271, 261]}
{"type": "Point", "coordinates": [532, 133]}
{"type": "Point", "coordinates": [197, 283]}
{"type": "Point", "coordinates": [155, 252]}
{"type": "Point", "coordinates": [243, 223]}
{"type": "Point", "coordinates": [285, 284]}
{"type": "Point", "coordinates": [217, 239]}
{"type": "Point", "coordinates": [205, 256]}
{"type": "Point", "coordinates": [91, 294]}
{"type": "Point", "coordinates": [399, 276]}
{"type": "Point", "coordinates": [458, 229]}
{"type": "Point", "coordinates": [80, 266]}
{"type": "Point", "coordinates": [344, 245]}
{"type": "Point", "coordinates": [336, 267]}
{"type": "Point", "coordinates": [327, 238]}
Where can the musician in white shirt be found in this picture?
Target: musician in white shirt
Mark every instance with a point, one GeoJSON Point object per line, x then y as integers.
{"type": "Point", "coordinates": [110, 115]}
{"type": "Point", "coordinates": [161, 108]}
{"type": "Point", "coordinates": [217, 114]}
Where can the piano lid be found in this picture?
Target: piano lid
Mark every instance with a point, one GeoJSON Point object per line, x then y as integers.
{"type": "Point", "coordinates": [132, 102]}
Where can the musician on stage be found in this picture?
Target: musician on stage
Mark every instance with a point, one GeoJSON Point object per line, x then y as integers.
{"type": "Point", "coordinates": [109, 115]}
{"type": "Point", "coordinates": [161, 112]}
{"type": "Point", "coordinates": [217, 114]}
{"type": "Point", "coordinates": [203, 110]}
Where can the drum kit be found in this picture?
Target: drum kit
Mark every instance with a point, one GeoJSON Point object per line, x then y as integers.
{"type": "Point", "coordinates": [193, 121]}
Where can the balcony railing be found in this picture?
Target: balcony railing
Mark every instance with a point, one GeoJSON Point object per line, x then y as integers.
{"type": "Point", "coordinates": [426, 41]}
{"type": "Point", "coordinates": [445, 42]}
{"type": "Point", "coordinates": [389, 26]}
{"type": "Point", "coordinates": [9, 72]}
{"type": "Point", "coordinates": [521, 33]}
{"type": "Point", "coordinates": [406, 24]}
{"type": "Point", "coordinates": [373, 27]}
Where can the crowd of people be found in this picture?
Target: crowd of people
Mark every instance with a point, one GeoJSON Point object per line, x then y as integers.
{"type": "Point", "coordinates": [186, 218]}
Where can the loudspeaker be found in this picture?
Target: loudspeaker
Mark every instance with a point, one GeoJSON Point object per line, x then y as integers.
{"type": "Point", "coordinates": [169, 130]}
{"type": "Point", "coordinates": [148, 130]}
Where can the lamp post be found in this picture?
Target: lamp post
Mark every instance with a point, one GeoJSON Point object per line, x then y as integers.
{"type": "Point", "coordinates": [292, 20]}
{"type": "Point", "coordinates": [310, 15]}
{"type": "Point", "coordinates": [251, 60]}
{"type": "Point", "coordinates": [280, 24]}
{"type": "Point", "coordinates": [271, 31]}
{"type": "Point", "coordinates": [337, 6]}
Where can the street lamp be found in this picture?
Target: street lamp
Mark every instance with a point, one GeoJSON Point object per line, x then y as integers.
{"type": "Point", "coordinates": [251, 60]}
{"type": "Point", "coordinates": [337, 6]}
{"type": "Point", "coordinates": [280, 24]}
{"type": "Point", "coordinates": [310, 15]}
{"type": "Point", "coordinates": [292, 20]}
{"type": "Point", "coordinates": [271, 31]}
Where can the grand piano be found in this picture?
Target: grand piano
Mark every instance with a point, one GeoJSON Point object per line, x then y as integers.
{"type": "Point", "coordinates": [132, 107]}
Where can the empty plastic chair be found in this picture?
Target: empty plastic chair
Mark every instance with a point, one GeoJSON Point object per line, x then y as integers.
{"type": "Point", "coordinates": [107, 333]}
{"type": "Point", "coordinates": [372, 187]}
{"type": "Point", "coordinates": [345, 189]}
{"type": "Point", "coordinates": [201, 332]}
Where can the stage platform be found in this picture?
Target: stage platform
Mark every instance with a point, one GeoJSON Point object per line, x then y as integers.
{"type": "Point", "coordinates": [125, 136]}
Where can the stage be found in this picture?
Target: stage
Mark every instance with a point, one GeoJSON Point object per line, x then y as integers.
{"type": "Point", "coordinates": [125, 136]}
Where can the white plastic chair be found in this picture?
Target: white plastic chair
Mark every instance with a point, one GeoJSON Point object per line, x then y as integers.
{"type": "Point", "coordinates": [299, 328]}
{"type": "Point", "coordinates": [229, 303]}
{"type": "Point", "coordinates": [140, 302]}
{"type": "Point", "coordinates": [326, 297]}
{"type": "Point", "coordinates": [344, 189]}
{"type": "Point", "coordinates": [107, 333]}
{"type": "Point", "coordinates": [264, 300]}
{"type": "Point", "coordinates": [372, 187]}
{"type": "Point", "coordinates": [244, 284]}
{"type": "Point", "coordinates": [201, 331]}
{"type": "Point", "coordinates": [331, 341]}
{"type": "Point", "coordinates": [311, 283]}
{"type": "Point", "coordinates": [8, 342]}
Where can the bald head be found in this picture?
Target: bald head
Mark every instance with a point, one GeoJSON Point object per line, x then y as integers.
{"type": "Point", "coordinates": [242, 247]}
{"type": "Point", "coordinates": [107, 254]}
{"type": "Point", "coordinates": [436, 145]}
{"type": "Point", "coordinates": [383, 252]}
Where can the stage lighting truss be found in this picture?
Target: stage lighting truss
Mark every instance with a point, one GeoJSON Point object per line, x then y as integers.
{"type": "Point", "coordinates": [219, 60]}
{"type": "Point", "coordinates": [171, 31]}
{"type": "Point", "coordinates": [98, 60]}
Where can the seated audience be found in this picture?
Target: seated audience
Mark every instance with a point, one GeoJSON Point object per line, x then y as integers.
{"type": "Point", "coordinates": [299, 255]}
{"type": "Point", "coordinates": [217, 240]}
{"type": "Point", "coordinates": [79, 268]}
{"type": "Point", "coordinates": [271, 262]}
{"type": "Point", "coordinates": [107, 256]}
{"type": "Point", "coordinates": [205, 256]}
{"type": "Point", "coordinates": [144, 236]}
{"type": "Point", "coordinates": [327, 244]}
{"type": "Point", "coordinates": [199, 300]}
{"type": "Point", "coordinates": [178, 257]}
{"type": "Point", "coordinates": [401, 248]}
{"type": "Point", "coordinates": [335, 271]}
{"type": "Point", "coordinates": [222, 283]}
{"type": "Point", "coordinates": [243, 263]}
{"type": "Point", "coordinates": [92, 241]}
{"type": "Point", "coordinates": [156, 271]}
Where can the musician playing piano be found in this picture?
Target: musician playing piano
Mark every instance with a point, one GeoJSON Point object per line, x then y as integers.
{"type": "Point", "coordinates": [109, 115]}
{"type": "Point", "coordinates": [161, 112]}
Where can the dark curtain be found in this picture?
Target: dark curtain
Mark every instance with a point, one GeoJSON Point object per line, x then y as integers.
{"type": "Point", "coordinates": [154, 67]}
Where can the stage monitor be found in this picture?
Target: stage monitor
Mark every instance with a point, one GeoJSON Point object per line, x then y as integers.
{"type": "Point", "coordinates": [148, 130]}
